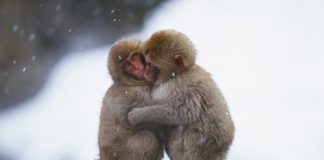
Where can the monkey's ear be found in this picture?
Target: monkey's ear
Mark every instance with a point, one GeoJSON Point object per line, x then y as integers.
{"type": "Point", "coordinates": [178, 59]}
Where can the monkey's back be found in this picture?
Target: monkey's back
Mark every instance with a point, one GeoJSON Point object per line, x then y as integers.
{"type": "Point", "coordinates": [117, 137]}
{"type": "Point", "coordinates": [211, 131]}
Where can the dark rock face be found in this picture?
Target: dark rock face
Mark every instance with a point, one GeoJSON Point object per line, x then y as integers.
{"type": "Point", "coordinates": [35, 34]}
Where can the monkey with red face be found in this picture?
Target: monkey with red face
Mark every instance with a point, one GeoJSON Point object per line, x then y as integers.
{"type": "Point", "coordinates": [186, 99]}
{"type": "Point", "coordinates": [119, 140]}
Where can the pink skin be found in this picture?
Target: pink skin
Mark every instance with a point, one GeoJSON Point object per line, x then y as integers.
{"type": "Point", "coordinates": [149, 72]}
{"type": "Point", "coordinates": [135, 67]}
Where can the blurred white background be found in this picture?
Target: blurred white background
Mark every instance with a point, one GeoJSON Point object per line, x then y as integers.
{"type": "Point", "coordinates": [266, 56]}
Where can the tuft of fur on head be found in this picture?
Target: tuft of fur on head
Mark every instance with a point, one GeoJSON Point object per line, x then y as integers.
{"type": "Point", "coordinates": [118, 54]}
{"type": "Point", "coordinates": [164, 44]}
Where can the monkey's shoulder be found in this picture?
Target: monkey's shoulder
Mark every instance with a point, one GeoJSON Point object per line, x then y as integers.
{"type": "Point", "coordinates": [196, 86]}
{"type": "Point", "coordinates": [196, 79]}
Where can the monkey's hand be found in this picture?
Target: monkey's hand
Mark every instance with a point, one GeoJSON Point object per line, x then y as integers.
{"type": "Point", "coordinates": [135, 116]}
{"type": "Point", "coordinates": [161, 114]}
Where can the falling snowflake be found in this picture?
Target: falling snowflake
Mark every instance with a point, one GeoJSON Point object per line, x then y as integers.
{"type": "Point", "coordinates": [126, 92]}
{"type": "Point", "coordinates": [180, 128]}
{"type": "Point", "coordinates": [15, 28]}
{"type": "Point", "coordinates": [33, 58]}
{"type": "Point", "coordinates": [14, 62]}
{"type": "Point", "coordinates": [115, 19]}
{"type": "Point", "coordinates": [70, 30]}
{"type": "Point", "coordinates": [171, 45]}
{"type": "Point", "coordinates": [58, 8]}
{"type": "Point", "coordinates": [24, 69]}
{"type": "Point", "coordinates": [173, 74]}
{"type": "Point", "coordinates": [32, 37]}
{"type": "Point", "coordinates": [202, 140]}
{"type": "Point", "coordinates": [119, 57]}
{"type": "Point", "coordinates": [112, 11]}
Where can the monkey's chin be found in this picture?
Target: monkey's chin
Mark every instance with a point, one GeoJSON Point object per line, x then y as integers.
{"type": "Point", "coordinates": [140, 74]}
{"type": "Point", "coordinates": [149, 78]}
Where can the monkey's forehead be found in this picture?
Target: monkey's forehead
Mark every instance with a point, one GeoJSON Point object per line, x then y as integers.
{"type": "Point", "coordinates": [123, 52]}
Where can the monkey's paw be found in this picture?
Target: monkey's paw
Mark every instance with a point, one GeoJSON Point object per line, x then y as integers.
{"type": "Point", "coordinates": [134, 116]}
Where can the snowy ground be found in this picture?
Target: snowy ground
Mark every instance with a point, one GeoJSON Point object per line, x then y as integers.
{"type": "Point", "coordinates": [266, 56]}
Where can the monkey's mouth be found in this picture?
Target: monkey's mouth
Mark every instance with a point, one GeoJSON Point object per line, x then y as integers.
{"type": "Point", "coordinates": [141, 71]}
{"type": "Point", "coordinates": [152, 73]}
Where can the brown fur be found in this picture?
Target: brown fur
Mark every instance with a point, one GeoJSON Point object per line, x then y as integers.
{"type": "Point", "coordinates": [118, 140]}
{"type": "Point", "coordinates": [189, 101]}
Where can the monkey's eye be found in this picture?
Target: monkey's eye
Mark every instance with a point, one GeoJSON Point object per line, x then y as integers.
{"type": "Point", "coordinates": [127, 66]}
{"type": "Point", "coordinates": [135, 57]}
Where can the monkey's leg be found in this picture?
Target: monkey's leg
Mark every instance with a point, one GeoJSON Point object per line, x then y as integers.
{"type": "Point", "coordinates": [174, 144]}
{"type": "Point", "coordinates": [145, 145]}
{"type": "Point", "coordinates": [104, 153]}
{"type": "Point", "coordinates": [193, 145]}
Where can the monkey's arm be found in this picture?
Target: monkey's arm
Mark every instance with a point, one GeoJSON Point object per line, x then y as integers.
{"type": "Point", "coordinates": [165, 114]}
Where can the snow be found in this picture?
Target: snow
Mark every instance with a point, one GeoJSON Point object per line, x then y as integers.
{"type": "Point", "coordinates": [32, 37]}
{"type": "Point", "coordinates": [63, 117]}
{"type": "Point", "coordinates": [15, 28]}
{"type": "Point", "coordinates": [266, 56]}
{"type": "Point", "coordinates": [24, 69]}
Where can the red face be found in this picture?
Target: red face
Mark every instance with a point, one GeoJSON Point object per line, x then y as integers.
{"type": "Point", "coordinates": [135, 65]}
{"type": "Point", "coordinates": [151, 71]}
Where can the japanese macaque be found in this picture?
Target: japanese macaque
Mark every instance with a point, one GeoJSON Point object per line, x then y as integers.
{"type": "Point", "coordinates": [185, 97]}
{"type": "Point", "coordinates": [118, 139]}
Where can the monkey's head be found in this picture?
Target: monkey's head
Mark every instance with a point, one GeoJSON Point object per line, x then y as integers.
{"type": "Point", "coordinates": [126, 63]}
{"type": "Point", "coordinates": [168, 53]}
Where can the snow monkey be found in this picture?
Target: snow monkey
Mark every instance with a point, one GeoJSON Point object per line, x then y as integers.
{"type": "Point", "coordinates": [185, 97]}
{"type": "Point", "coordinates": [118, 139]}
